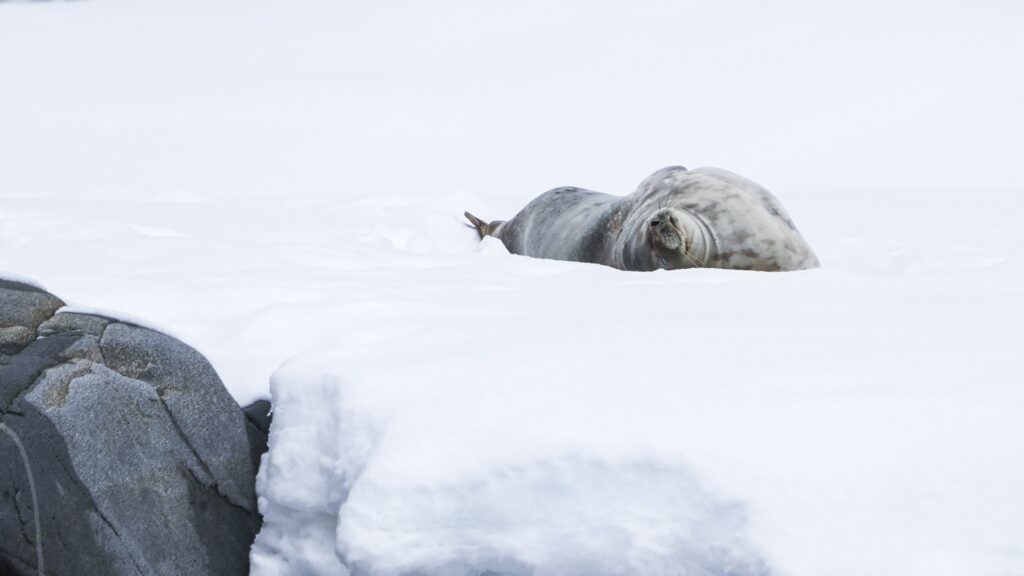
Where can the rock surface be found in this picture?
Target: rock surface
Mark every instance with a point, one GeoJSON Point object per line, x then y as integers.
{"type": "Point", "coordinates": [123, 452]}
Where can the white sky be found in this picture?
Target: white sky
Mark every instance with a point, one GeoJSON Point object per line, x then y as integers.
{"type": "Point", "coordinates": [246, 98]}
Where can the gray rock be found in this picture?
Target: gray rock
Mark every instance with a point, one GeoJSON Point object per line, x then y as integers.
{"type": "Point", "coordinates": [72, 322]}
{"type": "Point", "coordinates": [14, 337]}
{"type": "Point", "coordinates": [258, 419]}
{"type": "Point", "coordinates": [138, 459]}
{"type": "Point", "coordinates": [22, 309]}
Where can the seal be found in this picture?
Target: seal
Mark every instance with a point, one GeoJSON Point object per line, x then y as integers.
{"type": "Point", "coordinates": [676, 218]}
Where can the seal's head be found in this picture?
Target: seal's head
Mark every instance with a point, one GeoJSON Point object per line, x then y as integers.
{"type": "Point", "coordinates": [677, 239]}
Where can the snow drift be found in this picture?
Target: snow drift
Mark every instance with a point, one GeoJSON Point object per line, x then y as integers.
{"type": "Point", "coordinates": [507, 415]}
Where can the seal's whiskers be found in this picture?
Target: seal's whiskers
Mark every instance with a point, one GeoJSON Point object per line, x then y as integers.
{"type": "Point", "coordinates": [694, 259]}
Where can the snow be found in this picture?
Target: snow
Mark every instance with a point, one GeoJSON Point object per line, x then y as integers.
{"type": "Point", "coordinates": [282, 183]}
{"type": "Point", "coordinates": [557, 418]}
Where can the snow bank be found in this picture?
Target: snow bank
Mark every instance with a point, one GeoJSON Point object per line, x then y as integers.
{"type": "Point", "coordinates": [506, 415]}
{"type": "Point", "coordinates": [442, 467]}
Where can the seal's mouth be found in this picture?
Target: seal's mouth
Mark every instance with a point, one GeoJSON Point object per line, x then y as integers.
{"type": "Point", "coordinates": [669, 238]}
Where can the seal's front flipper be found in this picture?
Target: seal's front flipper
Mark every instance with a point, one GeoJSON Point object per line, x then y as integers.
{"type": "Point", "coordinates": [482, 228]}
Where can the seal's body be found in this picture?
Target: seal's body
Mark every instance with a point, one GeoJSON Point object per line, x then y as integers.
{"type": "Point", "coordinates": [677, 218]}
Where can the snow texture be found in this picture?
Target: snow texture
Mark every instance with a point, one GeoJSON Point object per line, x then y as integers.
{"type": "Point", "coordinates": [269, 180]}
{"type": "Point", "coordinates": [514, 415]}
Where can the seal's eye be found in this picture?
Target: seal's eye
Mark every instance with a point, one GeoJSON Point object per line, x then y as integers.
{"type": "Point", "coordinates": [655, 222]}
